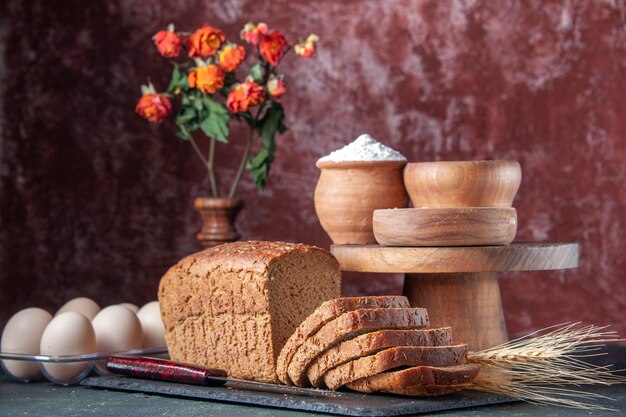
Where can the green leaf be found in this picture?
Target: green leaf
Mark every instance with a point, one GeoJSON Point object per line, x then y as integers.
{"type": "Point", "coordinates": [259, 165]}
{"type": "Point", "coordinates": [215, 125]}
{"type": "Point", "coordinates": [197, 104]}
{"type": "Point", "coordinates": [256, 72]}
{"type": "Point", "coordinates": [213, 106]}
{"type": "Point", "coordinates": [178, 81]}
{"type": "Point", "coordinates": [182, 134]}
{"type": "Point", "coordinates": [193, 125]}
{"type": "Point", "coordinates": [187, 121]}
{"type": "Point", "coordinates": [185, 115]}
{"type": "Point", "coordinates": [272, 122]}
{"type": "Point", "coordinates": [214, 118]}
{"type": "Point", "coordinates": [187, 127]}
{"type": "Point", "coordinates": [258, 160]}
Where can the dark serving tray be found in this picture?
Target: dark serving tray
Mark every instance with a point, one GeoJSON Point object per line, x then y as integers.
{"type": "Point", "coordinates": [341, 403]}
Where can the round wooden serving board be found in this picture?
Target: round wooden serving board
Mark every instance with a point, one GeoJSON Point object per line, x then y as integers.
{"type": "Point", "coordinates": [459, 285]}
{"type": "Point", "coordinates": [513, 257]}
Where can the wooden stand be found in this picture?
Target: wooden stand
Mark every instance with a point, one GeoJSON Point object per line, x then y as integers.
{"type": "Point", "coordinates": [459, 285]}
{"type": "Point", "coordinates": [469, 302]}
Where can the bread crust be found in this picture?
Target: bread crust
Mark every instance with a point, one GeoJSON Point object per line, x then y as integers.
{"type": "Point", "coordinates": [347, 326]}
{"type": "Point", "coordinates": [327, 311]}
{"type": "Point", "coordinates": [256, 256]}
{"type": "Point", "coordinates": [370, 343]}
{"type": "Point", "coordinates": [419, 380]}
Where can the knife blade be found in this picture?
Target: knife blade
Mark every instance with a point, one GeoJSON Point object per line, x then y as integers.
{"type": "Point", "coordinates": [170, 371]}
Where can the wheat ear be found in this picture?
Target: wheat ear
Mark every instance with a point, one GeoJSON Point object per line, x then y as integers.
{"type": "Point", "coordinates": [541, 368]}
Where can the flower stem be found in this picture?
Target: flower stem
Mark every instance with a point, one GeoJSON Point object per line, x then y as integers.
{"type": "Point", "coordinates": [208, 165]}
{"type": "Point", "coordinates": [242, 164]}
{"type": "Point", "coordinates": [211, 167]}
{"type": "Point", "coordinates": [246, 152]}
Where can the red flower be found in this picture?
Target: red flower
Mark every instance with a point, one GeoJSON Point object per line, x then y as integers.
{"type": "Point", "coordinates": [154, 107]}
{"type": "Point", "coordinates": [231, 56]}
{"type": "Point", "coordinates": [272, 47]}
{"type": "Point", "coordinates": [207, 79]}
{"type": "Point", "coordinates": [245, 95]}
{"type": "Point", "coordinates": [307, 48]}
{"type": "Point", "coordinates": [168, 43]}
{"type": "Point", "coordinates": [205, 41]}
{"type": "Point", "coordinates": [276, 87]}
{"type": "Point", "coordinates": [252, 33]}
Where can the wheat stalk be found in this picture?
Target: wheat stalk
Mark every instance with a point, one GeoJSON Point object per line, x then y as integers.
{"type": "Point", "coordinates": [539, 369]}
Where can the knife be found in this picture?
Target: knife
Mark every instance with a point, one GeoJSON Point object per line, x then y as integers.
{"type": "Point", "coordinates": [170, 371]}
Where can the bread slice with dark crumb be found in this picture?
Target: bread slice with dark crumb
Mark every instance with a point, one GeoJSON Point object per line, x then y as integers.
{"type": "Point", "coordinates": [396, 357]}
{"type": "Point", "coordinates": [419, 380]}
{"type": "Point", "coordinates": [347, 326]}
{"type": "Point", "coordinates": [370, 343]}
{"type": "Point", "coordinates": [326, 312]}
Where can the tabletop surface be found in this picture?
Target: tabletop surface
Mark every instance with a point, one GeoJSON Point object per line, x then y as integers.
{"type": "Point", "coordinates": [46, 399]}
{"type": "Point", "coordinates": [517, 256]}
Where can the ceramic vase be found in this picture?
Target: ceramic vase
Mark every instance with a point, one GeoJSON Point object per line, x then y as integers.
{"type": "Point", "coordinates": [219, 215]}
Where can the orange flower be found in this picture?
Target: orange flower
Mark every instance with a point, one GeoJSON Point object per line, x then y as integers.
{"type": "Point", "coordinates": [276, 87]}
{"type": "Point", "coordinates": [154, 107]}
{"type": "Point", "coordinates": [207, 79]}
{"type": "Point", "coordinates": [205, 41]}
{"type": "Point", "coordinates": [307, 48]}
{"type": "Point", "coordinates": [245, 95]}
{"type": "Point", "coordinates": [168, 43]}
{"type": "Point", "coordinates": [272, 47]}
{"type": "Point", "coordinates": [252, 33]}
{"type": "Point", "coordinates": [231, 57]}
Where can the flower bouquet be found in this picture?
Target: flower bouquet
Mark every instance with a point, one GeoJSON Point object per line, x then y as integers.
{"type": "Point", "coordinates": [209, 93]}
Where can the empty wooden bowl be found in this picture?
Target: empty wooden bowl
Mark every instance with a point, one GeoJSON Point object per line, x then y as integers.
{"type": "Point", "coordinates": [347, 193]}
{"type": "Point", "coordinates": [462, 183]}
{"type": "Point", "coordinates": [445, 226]}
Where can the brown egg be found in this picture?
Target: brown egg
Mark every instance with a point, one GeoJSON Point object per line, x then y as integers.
{"type": "Point", "coordinates": [22, 334]}
{"type": "Point", "coordinates": [68, 333]}
{"type": "Point", "coordinates": [82, 305]}
{"type": "Point", "coordinates": [117, 329]}
{"type": "Point", "coordinates": [152, 325]}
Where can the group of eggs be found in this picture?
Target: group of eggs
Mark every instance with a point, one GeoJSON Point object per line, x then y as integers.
{"type": "Point", "coordinates": [79, 327]}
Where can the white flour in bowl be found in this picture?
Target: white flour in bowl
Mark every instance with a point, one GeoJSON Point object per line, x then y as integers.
{"type": "Point", "coordinates": [364, 148]}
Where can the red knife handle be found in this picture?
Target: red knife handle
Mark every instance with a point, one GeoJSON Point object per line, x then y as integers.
{"type": "Point", "coordinates": [164, 370]}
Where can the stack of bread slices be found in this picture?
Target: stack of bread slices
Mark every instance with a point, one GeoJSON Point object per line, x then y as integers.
{"type": "Point", "coordinates": [374, 344]}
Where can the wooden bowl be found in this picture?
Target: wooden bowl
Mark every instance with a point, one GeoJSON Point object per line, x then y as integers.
{"type": "Point", "coordinates": [347, 193]}
{"type": "Point", "coordinates": [462, 183]}
{"type": "Point", "coordinates": [445, 226]}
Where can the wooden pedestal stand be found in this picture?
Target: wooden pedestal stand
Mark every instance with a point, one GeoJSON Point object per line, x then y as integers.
{"type": "Point", "coordinates": [459, 285]}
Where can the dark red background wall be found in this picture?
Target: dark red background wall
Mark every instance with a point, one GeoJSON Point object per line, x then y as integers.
{"type": "Point", "coordinates": [98, 202]}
